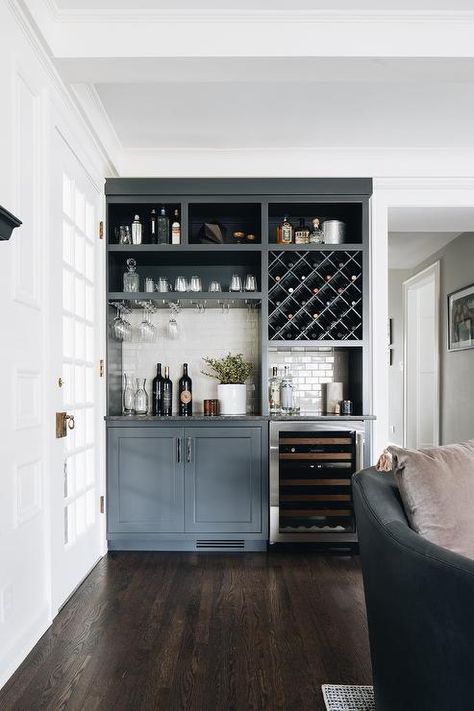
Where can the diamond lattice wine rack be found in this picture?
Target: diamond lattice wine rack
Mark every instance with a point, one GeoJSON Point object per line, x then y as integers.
{"type": "Point", "coordinates": [315, 296]}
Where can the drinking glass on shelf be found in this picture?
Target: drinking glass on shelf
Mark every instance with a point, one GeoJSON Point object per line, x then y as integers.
{"type": "Point", "coordinates": [195, 284]}
{"type": "Point", "coordinates": [123, 234]}
{"type": "Point", "coordinates": [250, 283]}
{"type": "Point", "coordinates": [162, 285]}
{"type": "Point", "coordinates": [128, 400]}
{"type": "Point", "coordinates": [215, 286]}
{"type": "Point", "coordinates": [149, 284]}
{"type": "Point", "coordinates": [235, 283]}
{"type": "Point", "coordinates": [180, 284]}
{"type": "Point", "coordinates": [141, 397]}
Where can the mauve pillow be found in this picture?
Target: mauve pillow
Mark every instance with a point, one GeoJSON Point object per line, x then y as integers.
{"type": "Point", "coordinates": [437, 489]}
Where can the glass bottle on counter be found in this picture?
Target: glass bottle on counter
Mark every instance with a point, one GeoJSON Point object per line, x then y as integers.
{"type": "Point", "coordinates": [301, 232]}
{"type": "Point", "coordinates": [157, 392]}
{"type": "Point", "coordinates": [284, 233]}
{"type": "Point", "coordinates": [162, 227]}
{"type": "Point", "coordinates": [176, 229]}
{"type": "Point", "coordinates": [316, 236]}
{"type": "Point", "coordinates": [128, 398]}
{"type": "Point", "coordinates": [137, 231]}
{"type": "Point", "coordinates": [287, 392]}
{"type": "Point", "coordinates": [141, 397]}
{"type": "Point", "coordinates": [274, 392]}
{"type": "Point", "coordinates": [167, 394]}
{"type": "Point", "coordinates": [131, 280]}
{"type": "Point", "coordinates": [185, 393]}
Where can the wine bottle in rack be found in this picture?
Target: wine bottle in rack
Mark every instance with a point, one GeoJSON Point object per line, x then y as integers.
{"type": "Point", "coordinates": [167, 394]}
{"type": "Point", "coordinates": [185, 393]}
{"type": "Point", "coordinates": [157, 392]}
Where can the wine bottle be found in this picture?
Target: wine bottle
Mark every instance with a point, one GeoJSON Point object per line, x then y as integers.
{"type": "Point", "coordinates": [185, 390]}
{"type": "Point", "coordinates": [167, 394]}
{"type": "Point", "coordinates": [162, 227]}
{"type": "Point", "coordinates": [176, 229]}
{"type": "Point", "coordinates": [157, 392]}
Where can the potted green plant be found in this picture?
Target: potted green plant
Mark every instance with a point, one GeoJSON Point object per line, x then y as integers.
{"type": "Point", "coordinates": [231, 371]}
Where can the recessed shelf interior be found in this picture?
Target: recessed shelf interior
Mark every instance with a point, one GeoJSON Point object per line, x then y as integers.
{"type": "Point", "coordinates": [209, 266]}
{"type": "Point", "coordinates": [124, 213]}
{"type": "Point", "coordinates": [348, 212]}
{"type": "Point", "coordinates": [232, 217]}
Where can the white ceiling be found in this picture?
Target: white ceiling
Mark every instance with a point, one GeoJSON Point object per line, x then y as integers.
{"type": "Point", "coordinates": [352, 5]}
{"type": "Point", "coordinates": [431, 219]}
{"type": "Point", "coordinates": [408, 249]}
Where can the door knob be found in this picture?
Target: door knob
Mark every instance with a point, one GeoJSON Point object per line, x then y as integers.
{"type": "Point", "coordinates": [64, 422]}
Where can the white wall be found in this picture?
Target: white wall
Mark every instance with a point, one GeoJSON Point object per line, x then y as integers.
{"type": "Point", "coordinates": [33, 105]}
{"type": "Point", "coordinates": [396, 277]}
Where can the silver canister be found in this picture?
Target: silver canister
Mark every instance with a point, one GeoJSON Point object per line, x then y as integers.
{"type": "Point", "coordinates": [334, 231]}
{"type": "Point", "coordinates": [136, 230]}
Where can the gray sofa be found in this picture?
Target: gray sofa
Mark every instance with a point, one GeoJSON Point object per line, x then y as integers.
{"type": "Point", "coordinates": [420, 606]}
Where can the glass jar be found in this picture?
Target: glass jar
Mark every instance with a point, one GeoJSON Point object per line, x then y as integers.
{"type": "Point", "coordinates": [141, 397]}
{"type": "Point", "coordinates": [128, 400]}
{"type": "Point", "coordinates": [131, 280]}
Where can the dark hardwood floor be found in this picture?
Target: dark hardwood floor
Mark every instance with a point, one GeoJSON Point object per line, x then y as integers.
{"type": "Point", "coordinates": [202, 632]}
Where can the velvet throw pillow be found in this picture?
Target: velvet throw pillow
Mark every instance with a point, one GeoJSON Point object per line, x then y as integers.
{"type": "Point", "coordinates": [437, 490]}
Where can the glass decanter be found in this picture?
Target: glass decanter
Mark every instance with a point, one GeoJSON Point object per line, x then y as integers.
{"type": "Point", "coordinates": [316, 236]}
{"type": "Point", "coordinates": [131, 280]}
{"type": "Point", "coordinates": [141, 397]}
{"type": "Point", "coordinates": [128, 400]}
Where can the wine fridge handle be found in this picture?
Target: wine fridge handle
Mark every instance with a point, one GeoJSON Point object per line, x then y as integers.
{"type": "Point", "coordinates": [189, 449]}
{"type": "Point", "coordinates": [178, 450]}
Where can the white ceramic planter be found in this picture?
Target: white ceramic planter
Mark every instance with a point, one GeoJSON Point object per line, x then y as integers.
{"type": "Point", "coordinates": [232, 399]}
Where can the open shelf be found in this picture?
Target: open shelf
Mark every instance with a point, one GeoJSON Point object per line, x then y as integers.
{"type": "Point", "coordinates": [123, 214]}
{"type": "Point", "coordinates": [348, 212]}
{"type": "Point", "coordinates": [230, 216]}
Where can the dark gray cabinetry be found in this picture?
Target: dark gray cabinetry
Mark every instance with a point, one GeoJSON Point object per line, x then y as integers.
{"type": "Point", "coordinates": [223, 479]}
{"type": "Point", "coordinates": [173, 487]}
{"type": "Point", "coordinates": [146, 480]}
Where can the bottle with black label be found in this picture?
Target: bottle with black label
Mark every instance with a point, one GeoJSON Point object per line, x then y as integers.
{"type": "Point", "coordinates": [185, 393]}
{"type": "Point", "coordinates": [157, 393]}
{"type": "Point", "coordinates": [167, 394]}
{"type": "Point", "coordinates": [163, 227]}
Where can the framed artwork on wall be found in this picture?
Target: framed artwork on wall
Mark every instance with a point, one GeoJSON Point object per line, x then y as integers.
{"type": "Point", "coordinates": [461, 319]}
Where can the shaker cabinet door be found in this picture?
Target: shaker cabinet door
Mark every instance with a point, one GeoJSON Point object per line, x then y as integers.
{"type": "Point", "coordinates": [146, 480]}
{"type": "Point", "coordinates": [223, 482]}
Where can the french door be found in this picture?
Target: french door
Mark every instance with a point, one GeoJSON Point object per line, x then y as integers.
{"type": "Point", "coordinates": [77, 476]}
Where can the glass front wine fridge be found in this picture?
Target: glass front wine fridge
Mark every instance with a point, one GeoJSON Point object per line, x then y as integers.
{"type": "Point", "coordinates": [311, 465]}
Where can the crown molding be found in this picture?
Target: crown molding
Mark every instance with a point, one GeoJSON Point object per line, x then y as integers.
{"type": "Point", "coordinates": [35, 39]}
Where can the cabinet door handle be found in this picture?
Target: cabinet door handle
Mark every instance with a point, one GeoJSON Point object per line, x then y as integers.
{"type": "Point", "coordinates": [178, 450]}
{"type": "Point", "coordinates": [189, 449]}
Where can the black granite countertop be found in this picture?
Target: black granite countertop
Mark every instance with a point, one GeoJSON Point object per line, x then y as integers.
{"type": "Point", "coordinates": [121, 419]}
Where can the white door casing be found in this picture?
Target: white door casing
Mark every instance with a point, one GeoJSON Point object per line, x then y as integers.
{"type": "Point", "coordinates": [421, 405]}
{"type": "Point", "coordinates": [77, 461]}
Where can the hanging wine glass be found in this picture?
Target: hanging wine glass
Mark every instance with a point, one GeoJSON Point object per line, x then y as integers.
{"type": "Point", "coordinates": [173, 330]}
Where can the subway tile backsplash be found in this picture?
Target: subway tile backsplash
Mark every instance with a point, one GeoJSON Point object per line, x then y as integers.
{"type": "Point", "coordinates": [212, 333]}
{"type": "Point", "coordinates": [311, 368]}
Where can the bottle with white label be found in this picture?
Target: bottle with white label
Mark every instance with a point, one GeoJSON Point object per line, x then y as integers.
{"type": "Point", "coordinates": [176, 229]}
{"type": "Point", "coordinates": [287, 392]}
{"type": "Point", "coordinates": [274, 392]}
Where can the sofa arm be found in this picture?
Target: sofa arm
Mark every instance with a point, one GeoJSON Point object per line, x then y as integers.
{"type": "Point", "coordinates": [420, 608]}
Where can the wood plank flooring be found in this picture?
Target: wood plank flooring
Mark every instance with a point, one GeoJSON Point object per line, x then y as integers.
{"type": "Point", "coordinates": [201, 632]}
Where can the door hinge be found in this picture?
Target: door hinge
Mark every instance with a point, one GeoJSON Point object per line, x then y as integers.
{"type": "Point", "coordinates": [101, 368]}
{"type": "Point", "coordinates": [101, 229]}
{"type": "Point", "coordinates": [102, 504]}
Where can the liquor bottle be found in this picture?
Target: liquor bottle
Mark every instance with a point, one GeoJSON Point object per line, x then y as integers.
{"type": "Point", "coordinates": [301, 233]}
{"type": "Point", "coordinates": [286, 392]}
{"type": "Point", "coordinates": [157, 392]}
{"type": "Point", "coordinates": [316, 236]}
{"type": "Point", "coordinates": [136, 230]}
{"type": "Point", "coordinates": [176, 229]}
{"type": "Point", "coordinates": [167, 394]}
{"type": "Point", "coordinates": [162, 227]}
{"type": "Point", "coordinates": [131, 280]}
{"type": "Point", "coordinates": [285, 232]}
{"type": "Point", "coordinates": [274, 392]}
{"type": "Point", "coordinates": [153, 227]}
{"type": "Point", "coordinates": [185, 393]}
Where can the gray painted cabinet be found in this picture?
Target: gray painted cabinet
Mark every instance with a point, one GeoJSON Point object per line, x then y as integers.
{"type": "Point", "coordinates": [146, 480]}
{"type": "Point", "coordinates": [175, 483]}
{"type": "Point", "coordinates": [223, 479]}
